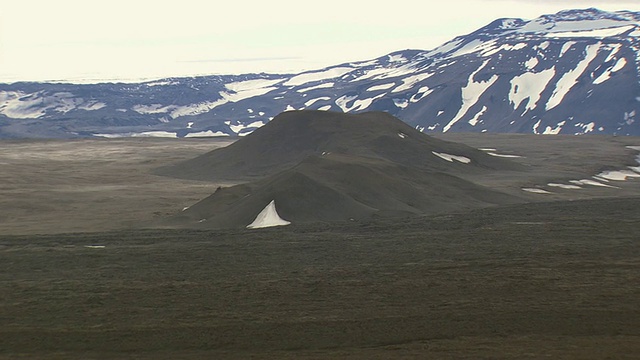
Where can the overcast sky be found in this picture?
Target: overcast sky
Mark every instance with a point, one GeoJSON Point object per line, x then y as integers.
{"type": "Point", "coordinates": [135, 39]}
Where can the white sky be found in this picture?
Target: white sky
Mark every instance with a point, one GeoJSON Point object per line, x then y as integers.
{"type": "Point", "coordinates": [79, 40]}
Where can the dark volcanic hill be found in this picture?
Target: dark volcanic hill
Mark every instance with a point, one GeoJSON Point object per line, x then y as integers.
{"type": "Point", "coordinates": [574, 72]}
{"type": "Point", "coordinates": [294, 136]}
{"type": "Point", "coordinates": [323, 166]}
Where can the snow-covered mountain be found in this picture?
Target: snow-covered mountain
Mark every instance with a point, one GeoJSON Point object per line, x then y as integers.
{"type": "Point", "coordinates": [574, 72]}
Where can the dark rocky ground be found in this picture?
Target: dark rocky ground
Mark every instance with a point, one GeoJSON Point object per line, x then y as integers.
{"type": "Point", "coordinates": [555, 279]}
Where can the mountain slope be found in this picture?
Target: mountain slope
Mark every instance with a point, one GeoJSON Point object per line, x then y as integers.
{"type": "Point", "coordinates": [574, 72]}
{"type": "Point", "coordinates": [357, 178]}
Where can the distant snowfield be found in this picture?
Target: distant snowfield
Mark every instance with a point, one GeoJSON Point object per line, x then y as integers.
{"type": "Point", "coordinates": [308, 77]}
{"type": "Point", "coordinates": [268, 217]}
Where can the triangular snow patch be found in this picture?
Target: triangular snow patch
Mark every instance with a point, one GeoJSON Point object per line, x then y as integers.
{"type": "Point", "coordinates": [268, 217]}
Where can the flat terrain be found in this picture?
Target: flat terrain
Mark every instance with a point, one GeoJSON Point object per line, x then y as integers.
{"type": "Point", "coordinates": [543, 280]}
{"type": "Point", "coordinates": [93, 185]}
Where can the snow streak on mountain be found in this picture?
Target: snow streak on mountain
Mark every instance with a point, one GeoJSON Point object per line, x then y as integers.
{"type": "Point", "coordinates": [574, 72]}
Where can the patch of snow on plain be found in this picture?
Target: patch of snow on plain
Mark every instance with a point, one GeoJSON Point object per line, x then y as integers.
{"type": "Point", "coordinates": [313, 101]}
{"type": "Point", "coordinates": [503, 155]}
{"type": "Point", "coordinates": [564, 186]}
{"type": "Point", "coordinates": [381, 87]}
{"type": "Point", "coordinates": [190, 124]}
{"type": "Point", "coordinates": [476, 118]}
{"type": "Point", "coordinates": [208, 133]}
{"type": "Point", "coordinates": [471, 94]}
{"type": "Point", "coordinates": [530, 86]}
{"type": "Point", "coordinates": [451, 158]}
{"type": "Point", "coordinates": [268, 217]}
{"type": "Point", "coordinates": [536, 190]}
{"type": "Point", "coordinates": [402, 135]}
{"type": "Point", "coordinates": [570, 79]}
{"type": "Point", "coordinates": [308, 77]}
{"type": "Point", "coordinates": [159, 134]}
{"type": "Point", "coordinates": [618, 175]}
{"type": "Point", "coordinates": [325, 108]}
{"type": "Point", "coordinates": [320, 86]}
{"type": "Point", "coordinates": [95, 246]}
{"type": "Point", "coordinates": [590, 182]}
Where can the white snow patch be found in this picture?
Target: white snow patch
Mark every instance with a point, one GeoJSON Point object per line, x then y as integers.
{"type": "Point", "coordinates": [208, 133]}
{"type": "Point", "coordinates": [160, 134]}
{"type": "Point", "coordinates": [503, 155]}
{"type": "Point", "coordinates": [618, 175]}
{"type": "Point", "coordinates": [397, 58]}
{"type": "Point", "coordinates": [95, 246]}
{"type": "Point", "coordinates": [317, 76]}
{"type": "Point", "coordinates": [240, 86]}
{"type": "Point", "coordinates": [451, 158]}
{"type": "Point", "coordinates": [597, 33]}
{"type": "Point", "coordinates": [570, 79]}
{"type": "Point", "coordinates": [381, 87]}
{"type": "Point", "coordinates": [476, 118]}
{"type": "Point", "coordinates": [239, 127]}
{"type": "Point", "coordinates": [320, 86]}
{"type": "Point", "coordinates": [536, 190]}
{"type": "Point", "coordinates": [325, 108]}
{"type": "Point", "coordinates": [564, 186]}
{"type": "Point", "coordinates": [471, 94]}
{"type": "Point", "coordinates": [190, 124]}
{"type": "Point", "coordinates": [606, 75]}
{"type": "Point", "coordinates": [268, 217]}
{"type": "Point", "coordinates": [313, 101]}
{"type": "Point", "coordinates": [343, 102]}
{"type": "Point", "coordinates": [565, 47]}
{"type": "Point", "coordinates": [421, 94]}
{"type": "Point", "coordinates": [92, 106]}
{"type": "Point", "coordinates": [554, 131]}
{"type": "Point", "coordinates": [410, 81]}
{"type": "Point", "coordinates": [402, 135]}
{"type": "Point", "coordinates": [289, 108]}
{"type": "Point", "coordinates": [531, 63]}
{"type": "Point", "coordinates": [529, 86]}
{"type": "Point", "coordinates": [401, 103]}
{"type": "Point", "coordinates": [589, 182]}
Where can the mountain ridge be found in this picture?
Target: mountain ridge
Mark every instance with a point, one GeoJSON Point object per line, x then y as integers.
{"type": "Point", "coordinates": [574, 72]}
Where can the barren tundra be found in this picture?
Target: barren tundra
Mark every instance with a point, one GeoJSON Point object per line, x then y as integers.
{"type": "Point", "coordinates": [80, 277]}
